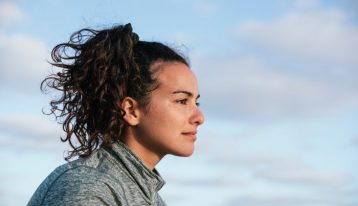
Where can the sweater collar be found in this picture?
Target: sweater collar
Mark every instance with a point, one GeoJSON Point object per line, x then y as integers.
{"type": "Point", "coordinates": [149, 181]}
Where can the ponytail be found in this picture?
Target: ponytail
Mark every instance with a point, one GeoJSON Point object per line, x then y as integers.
{"type": "Point", "coordinates": [99, 69]}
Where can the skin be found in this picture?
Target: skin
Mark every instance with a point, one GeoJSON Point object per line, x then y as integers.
{"type": "Point", "coordinates": [169, 124]}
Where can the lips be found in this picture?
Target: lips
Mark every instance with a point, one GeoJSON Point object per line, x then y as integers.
{"type": "Point", "coordinates": [191, 135]}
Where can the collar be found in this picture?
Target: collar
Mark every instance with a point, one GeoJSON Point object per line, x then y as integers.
{"type": "Point", "coordinates": [149, 181]}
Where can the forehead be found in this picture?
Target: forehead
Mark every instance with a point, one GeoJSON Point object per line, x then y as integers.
{"type": "Point", "coordinates": [175, 76]}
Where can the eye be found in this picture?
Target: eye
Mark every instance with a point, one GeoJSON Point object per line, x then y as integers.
{"type": "Point", "coordinates": [182, 101]}
{"type": "Point", "coordinates": [197, 104]}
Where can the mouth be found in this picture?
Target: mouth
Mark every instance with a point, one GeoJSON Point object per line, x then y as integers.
{"type": "Point", "coordinates": [190, 135]}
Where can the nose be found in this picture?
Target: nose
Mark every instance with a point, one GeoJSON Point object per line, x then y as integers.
{"type": "Point", "coordinates": [197, 117]}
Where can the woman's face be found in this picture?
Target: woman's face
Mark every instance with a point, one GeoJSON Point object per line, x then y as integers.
{"type": "Point", "coordinates": [169, 124]}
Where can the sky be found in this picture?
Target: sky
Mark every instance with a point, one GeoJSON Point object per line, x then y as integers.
{"type": "Point", "coordinates": [279, 90]}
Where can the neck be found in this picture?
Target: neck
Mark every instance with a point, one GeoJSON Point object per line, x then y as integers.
{"type": "Point", "coordinates": [148, 156]}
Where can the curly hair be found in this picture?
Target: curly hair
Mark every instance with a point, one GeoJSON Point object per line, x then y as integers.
{"type": "Point", "coordinates": [99, 69]}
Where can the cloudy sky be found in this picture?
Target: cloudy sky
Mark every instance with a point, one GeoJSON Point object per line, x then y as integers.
{"type": "Point", "coordinates": [279, 86]}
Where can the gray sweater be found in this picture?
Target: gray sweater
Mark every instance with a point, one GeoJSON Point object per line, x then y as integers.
{"type": "Point", "coordinates": [108, 177]}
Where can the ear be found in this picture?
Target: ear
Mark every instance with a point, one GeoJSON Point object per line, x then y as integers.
{"type": "Point", "coordinates": [132, 112]}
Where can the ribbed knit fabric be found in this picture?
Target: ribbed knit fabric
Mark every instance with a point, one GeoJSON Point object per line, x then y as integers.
{"type": "Point", "coordinates": [108, 177]}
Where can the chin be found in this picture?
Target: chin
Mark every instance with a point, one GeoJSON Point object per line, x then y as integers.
{"type": "Point", "coordinates": [184, 153]}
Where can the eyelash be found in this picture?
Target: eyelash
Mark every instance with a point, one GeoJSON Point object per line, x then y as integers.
{"type": "Point", "coordinates": [185, 101]}
{"type": "Point", "coordinates": [182, 101]}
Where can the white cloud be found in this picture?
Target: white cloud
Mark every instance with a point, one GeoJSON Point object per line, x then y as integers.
{"type": "Point", "coordinates": [242, 175]}
{"type": "Point", "coordinates": [317, 34]}
{"type": "Point", "coordinates": [23, 58]}
{"type": "Point", "coordinates": [291, 200]}
{"type": "Point", "coordinates": [302, 64]}
{"type": "Point", "coordinates": [29, 125]}
{"type": "Point", "coordinates": [250, 88]}
{"type": "Point", "coordinates": [23, 62]}
{"type": "Point", "coordinates": [9, 13]}
{"type": "Point", "coordinates": [30, 133]}
{"type": "Point", "coordinates": [268, 164]}
{"type": "Point", "coordinates": [304, 176]}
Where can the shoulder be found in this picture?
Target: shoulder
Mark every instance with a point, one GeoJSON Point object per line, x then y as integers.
{"type": "Point", "coordinates": [80, 184]}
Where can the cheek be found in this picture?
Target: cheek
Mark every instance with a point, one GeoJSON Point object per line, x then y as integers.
{"type": "Point", "coordinates": [155, 118]}
{"type": "Point", "coordinates": [167, 117]}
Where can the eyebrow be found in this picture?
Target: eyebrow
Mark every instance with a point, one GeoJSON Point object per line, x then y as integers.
{"type": "Point", "coordinates": [185, 92]}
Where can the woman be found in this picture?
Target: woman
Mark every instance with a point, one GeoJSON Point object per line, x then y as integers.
{"type": "Point", "coordinates": [125, 104]}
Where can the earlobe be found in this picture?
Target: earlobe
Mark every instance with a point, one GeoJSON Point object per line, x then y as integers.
{"type": "Point", "coordinates": [131, 109]}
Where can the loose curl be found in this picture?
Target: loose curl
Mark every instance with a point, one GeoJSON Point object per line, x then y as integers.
{"type": "Point", "coordinates": [99, 69]}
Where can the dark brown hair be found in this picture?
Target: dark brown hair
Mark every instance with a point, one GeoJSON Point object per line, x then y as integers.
{"type": "Point", "coordinates": [99, 69]}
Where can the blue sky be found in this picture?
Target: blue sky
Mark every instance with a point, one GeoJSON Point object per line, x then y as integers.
{"type": "Point", "coordinates": [279, 87]}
